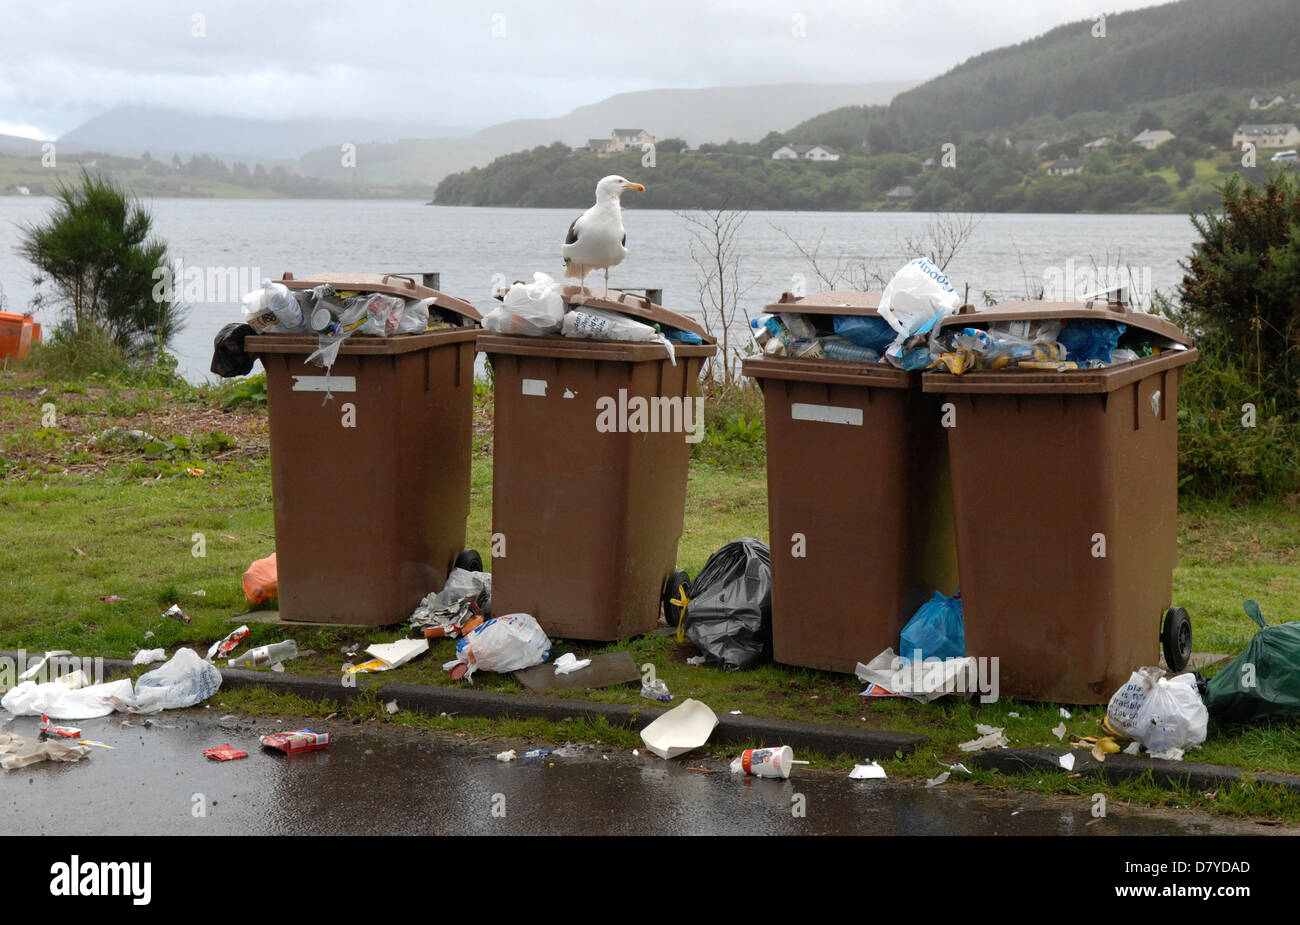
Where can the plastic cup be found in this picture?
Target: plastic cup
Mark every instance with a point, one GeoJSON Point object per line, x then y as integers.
{"type": "Point", "coordinates": [768, 762]}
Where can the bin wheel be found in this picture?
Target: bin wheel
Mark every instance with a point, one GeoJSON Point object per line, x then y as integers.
{"type": "Point", "coordinates": [672, 589]}
{"type": "Point", "coordinates": [1176, 639]}
{"type": "Point", "coordinates": [470, 560]}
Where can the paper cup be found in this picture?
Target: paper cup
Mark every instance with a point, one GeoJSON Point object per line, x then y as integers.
{"type": "Point", "coordinates": [768, 762]}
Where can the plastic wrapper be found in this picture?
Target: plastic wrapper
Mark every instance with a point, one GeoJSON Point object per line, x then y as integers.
{"type": "Point", "coordinates": [1165, 714]}
{"type": "Point", "coordinates": [869, 331]}
{"type": "Point", "coordinates": [936, 629]}
{"type": "Point", "coordinates": [1263, 682]}
{"type": "Point", "coordinates": [533, 309]}
{"type": "Point", "coordinates": [598, 324]}
{"type": "Point", "coordinates": [451, 605]}
{"type": "Point", "coordinates": [383, 314]}
{"type": "Point", "coordinates": [56, 700]}
{"type": "Point", "coordinates": [1086, 339]}
{"type": "Point", "coordinates": [503, 644]}
{"type": "Point", "coordinates": [729, 614]}
{"type": "Point", "coordinates": [184, 681]}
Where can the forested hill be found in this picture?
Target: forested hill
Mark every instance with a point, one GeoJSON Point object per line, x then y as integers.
{"type": "Point", "coordinates": [1144, 55]}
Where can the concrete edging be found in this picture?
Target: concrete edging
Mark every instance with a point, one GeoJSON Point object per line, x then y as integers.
{"type": "Point", "coordinates": [1122, 767]}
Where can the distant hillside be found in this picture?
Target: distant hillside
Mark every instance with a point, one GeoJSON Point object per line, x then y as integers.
{"type": "Point", "coordinates": [132, 130]}
{"type": "Point", "coordinates": [19, 146]}
{"type": "Point", "coordinates": [701, 115]}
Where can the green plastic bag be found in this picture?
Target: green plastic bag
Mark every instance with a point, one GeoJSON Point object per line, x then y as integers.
{"type": "Point", "coordinates": [1263, 682]}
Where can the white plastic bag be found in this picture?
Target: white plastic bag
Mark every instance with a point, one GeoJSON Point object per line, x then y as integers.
{"type": "Point", "coordinates": [1173, 718]}
{"type": "Point", "coordinates": [184, 681]}
{"type": "Point", "coordinates": [58, 702]}
{"type": "Point", "coordinates": [503, 644]}
{"type": "Point", "coordinates": [532, 309]}
{"type": "Point", "coordinates": [383, 315]}
{"type": "Point", "coordinates": [1127, 702]}
{"type": "Point", "coordinates": [599, 324]}
{"type": "Point", "coordinates": [915, 299]}
{"type": "Point", "coordinates": [415, 317]}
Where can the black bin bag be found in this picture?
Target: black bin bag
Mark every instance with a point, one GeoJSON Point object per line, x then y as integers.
{"type": "Point", "coordinates": [729, 616]}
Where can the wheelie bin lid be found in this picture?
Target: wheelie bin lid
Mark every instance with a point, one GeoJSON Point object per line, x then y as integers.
{"type": "Point", "coordinates": [637, 306]}
{"type": "Point", "coordinates": [389, 284]}
{"type": "Point", "coordinates": [831, 302]}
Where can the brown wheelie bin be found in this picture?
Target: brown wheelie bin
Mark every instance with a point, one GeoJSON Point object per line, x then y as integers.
{"type": "Point", "coordinates": [586, 520]}
{"type": "Point", "coordinates": [859, 505]}
{"type": "Point", "coordinates": [1065, 492]}
{"type": "Point", "coordinates": [371, 488]}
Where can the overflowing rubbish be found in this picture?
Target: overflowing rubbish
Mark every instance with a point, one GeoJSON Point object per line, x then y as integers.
{"type": "Point", "coordinates": [260, 581]}
{"type": "Point", "coordinates": [149, 656]}
{"type": "Point", "coordinates": [871, 771]}
{"type": "Point", "coordinates": [501, 644]}
{"type": "Point", "coordinates": [533, 309]}
{"type": "Point", "coordinates": [656, 689]}
{"type": "Point", "coordinates": [296, 741]}
{"type": "Point", "coordinates": [937, 781]}
{"type": "Point", "coordinates": [19, 751]}
{"type": "Point", "coordinates": [464, 596]}
{"type": "Point", "coordinates": [1164, 713]}
{"type": "Point", "coordinates": [766, 762]}
{"type": "Point", "coordinates": [1263, 682]}
{"type": "Point", "coordinates": [266, 656]}
{"type": "Point", "coordinates": [915, 299]}
{"type": "Point", "coordinates": [184, 681]}
{"type": "Point", "coordinates": [685, 727]}
{"type": "Point", "coordinates": [935, 630]}
{"type": "Point", "coordinates": [989, 737]}
{"type": "Point", "coordinates": [223, 647]}
{"type": "Point", "coordinates": [728, 614]}
{"type": "Point", "coordinates": [569, 663]}
{"type": "Point", "coordinates": [922, 680]}
{"type": "Point", "coordinates": [225, 752]}
{"type": "Point", "coordinates": [535, 753]}
{"type": "Point", "coordinates": [229, 358]}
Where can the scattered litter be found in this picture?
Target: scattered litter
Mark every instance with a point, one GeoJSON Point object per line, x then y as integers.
{"type": "Point", "coordinates": [1065, 714]}
{"type": "Point", "coordinates": [351, 650]}
{"type": "Point", "coordinates": [685, 727]}
{"type": "Point", "coordinates": [871, 771]}
{"type": "Point", "coordinates": [1013, 716]}
{"type": "Point", "coordinates": [956, 767]}
{"type": "Point", "coordinates": [223, 647]}
{"type": "Point", "coordinates": [65, 732]}
{"type": "Point", "coordinates": [766, 762]}
{"type": "Point", "coordinates": [97, 744]}
{"type": "Point", "coordinates": [464, 596]}
{"type": "Point", "coordinates": [278, 666]}
{"type": "Point", "coordinates": [261, 583]}
{"type": "Point", "coordinates": [1270, 688]}
{"type": "Point", "coordinates": [111, 598]}
{"type": "Point", "coordinates": [923, 681]}
{"type": "Point", "coordinates": [571, 751]}
{"type": "Point", "coordinates": [199, 593]}
{"type": "Point", "coordinates": [332, 715]}
{"type": "Point", "coordinates": [569, 663]}
{"type": "Point", "coordinates": [1066, 761]}
{"type": "Point", "coordinates": [728, 615]}
{"type": "Point", "coordinates": [19, 751]}
{"type": "Point", "coordinates": [1133, 748]}
{"type": "Point", "coordinates": [656, 690]}
{"type": "Point", "coordinates": [502, 644]}
{"type": "Point", "coordinates": [697, 660]}
{"type": "Point", "coordinates": [735, 713]}
{"type": "Point", "coordinates": [937, 781]}
{"type": "Point", "coordinates": [1059, 731]}
{"type": "Point", "coordinates": [390, 655]}
{"type": "Point", "coordinates": [149, 656]}
{"type": "Point", "coordinates": [148, 634]}
{"type": "Point", "coordinates": [54, 699]}
{"type": "Point", "coordinates": [184, 681]}
{"type": "Point", "coordinates": [506, 756]}
{"type": "Point", "coordinates": [265, 656]}
{"type": "Point", "coordinates": [296, 740]}
{"type": "Point", "coordinates": [174, 612]}
{"type": "Point", "coordinates": [990, 737]}
{"type": "Point", "coordinates": [33, 670]}
{"type": "Point", "coordinates": [391, 707]}
{"type": "Point", "coordinates": [225, 752]}
{"type": "Point", "coordinates": [536, 753]}
{"type": "Point", "coordinates": [229, 721]}
{"type": "Point", "coordinates": [935, 630]}
{"type": "Point", "coordinates": [1165, 714]}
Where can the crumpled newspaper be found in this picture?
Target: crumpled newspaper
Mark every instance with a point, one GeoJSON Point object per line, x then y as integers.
{"type": "Point", "coordinates": [19, 751]}
{"type": "Point", "coordinates": [451, 605]}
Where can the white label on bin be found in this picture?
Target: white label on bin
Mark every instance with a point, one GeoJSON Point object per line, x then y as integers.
{"type": "Point", "coordinates": [535, 387]}
{"type": "Point", "coordinates": [827, 414]}
{"type": "Point", "coordinates": [324, 383]}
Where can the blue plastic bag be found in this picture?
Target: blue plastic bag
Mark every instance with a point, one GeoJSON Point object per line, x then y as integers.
{"type": "Point", "coordinates": [1087, 339]}
{"type": "Point", "coordinates": [935, 629]}
{"type": "Point", "coordinates": [683, 337]}
{"type": "Point", "coordinates": [870, 331]}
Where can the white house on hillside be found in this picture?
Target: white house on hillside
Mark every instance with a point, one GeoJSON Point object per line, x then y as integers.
{"type": "Point", "coordinates": [1152, 139]}
{"type": "Point", "coordinates": [806, 152]}
{"type": "Point", "coordinates": [1267, 101]}
{"type": "Point", "coordinates": [1271, 135]}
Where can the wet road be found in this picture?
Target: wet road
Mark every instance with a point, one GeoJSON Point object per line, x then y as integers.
{"type": "Point", "coordinates": [377, 778]}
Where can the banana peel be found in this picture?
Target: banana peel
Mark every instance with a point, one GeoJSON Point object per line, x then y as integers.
{"type": "Point", "coordinates": [1101, 746]}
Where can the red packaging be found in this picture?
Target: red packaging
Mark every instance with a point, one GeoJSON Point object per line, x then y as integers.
{"type": "Point", "coordinates": [225, 752]}
{"type": "Point", "coordinates": [297, 740]}
{"type": "Point", "coordinates": [66, 732]}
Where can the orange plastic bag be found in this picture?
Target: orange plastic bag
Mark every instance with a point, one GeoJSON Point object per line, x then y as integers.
{"type": "Point", "coordinates": [260, 581]}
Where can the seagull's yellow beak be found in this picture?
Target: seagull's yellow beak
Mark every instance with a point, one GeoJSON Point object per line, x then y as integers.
{"type": "Point", "coordinates": [636, 186]}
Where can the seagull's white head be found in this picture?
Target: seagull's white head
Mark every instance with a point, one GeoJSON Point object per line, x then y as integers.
{"type": "Point", "coordinates": [612, 187]}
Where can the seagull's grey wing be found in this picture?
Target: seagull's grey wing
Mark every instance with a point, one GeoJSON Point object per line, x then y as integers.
{"type": "Point", "coordinates": [572, 236]}
{"type": "Point", "coordinates": [625, 239]}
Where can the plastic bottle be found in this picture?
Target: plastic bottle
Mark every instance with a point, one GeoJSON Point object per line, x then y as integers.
{"type": "Point", "coordinates": [287, 311]}
{"type": "Point", "coordinates": [837, 348]}
{"type": "Point", "coordinates": [760, 329]}
{"type": "Point", "coordinates": [265, 655]}
{"type": "Point", "coordinates": [799, 326]}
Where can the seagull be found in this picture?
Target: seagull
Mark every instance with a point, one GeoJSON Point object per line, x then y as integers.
{"type": "Point", "coordinates": [596, 238]}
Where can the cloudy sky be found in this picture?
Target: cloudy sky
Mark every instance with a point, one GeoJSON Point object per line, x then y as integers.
{"type": "Point", "coordinates": [465, 64]}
